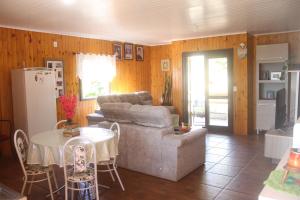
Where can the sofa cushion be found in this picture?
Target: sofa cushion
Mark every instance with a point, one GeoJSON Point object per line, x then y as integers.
{"type": "Point", "coordinates": [116, 112]}
{"type": "Point", "coordinates": [152, 116]}
{"type": "Point", "coordinates": [130, 98]}
{"type": "Point", "coordinates": [172, 109]}
{"type": "Point", "coordinates": [108, 99]}
{"type": "Point", "coordinates": [147, 102]}
{"type": "Point", "coordinates": [145, 97]}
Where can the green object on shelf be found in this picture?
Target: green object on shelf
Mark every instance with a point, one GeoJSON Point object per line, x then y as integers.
{"type": "Point", "coordinates": [291, 185]}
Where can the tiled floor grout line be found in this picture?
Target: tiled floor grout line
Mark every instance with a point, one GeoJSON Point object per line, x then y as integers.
{"type": "Point", "coordinates": [233, 178]}
{"type": "Point", "coordinates": [242, 169]}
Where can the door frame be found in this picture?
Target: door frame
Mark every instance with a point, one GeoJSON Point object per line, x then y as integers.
{"type": "Point", "coordinates": [208, 54]}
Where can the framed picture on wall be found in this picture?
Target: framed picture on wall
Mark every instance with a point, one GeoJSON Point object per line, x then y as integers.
{"type": "Point", "coordinates": [58, 67]}
{"type": "Point", "coordinates": [165, 65]}
{"type": "Point", "coordinates": [139, 53]}
{"type": "Point", "coordinates": [128, 51]}
{"type": "Point", "coordinates": [117, 50]}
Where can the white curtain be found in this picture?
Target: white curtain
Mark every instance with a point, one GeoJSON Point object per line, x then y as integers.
{"type": "Point", "coordinates": [96, 67]}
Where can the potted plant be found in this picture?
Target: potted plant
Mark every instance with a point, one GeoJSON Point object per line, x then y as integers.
{"type": "Point", "coordinates": [166, 98]}
{"type": "Point", "coordinates": [68, 104]}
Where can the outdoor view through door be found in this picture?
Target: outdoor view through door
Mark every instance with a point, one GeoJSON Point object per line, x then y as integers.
{"type": "Point", "coordinates": [207, 98]}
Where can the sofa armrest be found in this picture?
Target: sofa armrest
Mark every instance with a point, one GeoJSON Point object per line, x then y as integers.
{"type": "Point", "coordinates": [172, 109]}
{"type": "Point", "coordinates": [99, 112]}
{"type": "Point", "coordinates": [94, 118]}
{"type": "Point", "coordinates": [180, 140]}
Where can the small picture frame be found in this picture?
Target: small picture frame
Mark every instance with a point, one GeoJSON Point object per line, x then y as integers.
{"type": "Point", "coordinates": [270, 94]}
{"type": "Point", "coordinates": [165, 65]}
{"type": "Point", "coordinates": [117, 50]}
{"type": "Point", "coordinates": [58, 67]}
{"type": "Point", "coordinates": [128, 51]}
{"type": "Point", "coordinates": [275, 76]}
{"type": "Point", "coordinates": [139, 52]}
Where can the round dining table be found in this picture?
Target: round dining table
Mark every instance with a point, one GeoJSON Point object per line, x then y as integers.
{"type": "Point", "coordinates": [46, 148]}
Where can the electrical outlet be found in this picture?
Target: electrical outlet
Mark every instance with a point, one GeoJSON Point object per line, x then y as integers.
{"type": "Point", "coordinates": [235, 88]}
{"type": "Point", "coordinates": [55, 44]}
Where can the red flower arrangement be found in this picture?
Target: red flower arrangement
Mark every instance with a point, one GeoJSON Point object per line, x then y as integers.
{"type": "Point", "coordinates": [69, 104]}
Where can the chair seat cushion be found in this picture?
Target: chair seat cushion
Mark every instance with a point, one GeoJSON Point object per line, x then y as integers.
{"type": "Point", "coordinates": [81, 177]}
{"type": "Point", "coordinates": [36, 169]}
{"type": "Point", "coordinates": [106, 162]}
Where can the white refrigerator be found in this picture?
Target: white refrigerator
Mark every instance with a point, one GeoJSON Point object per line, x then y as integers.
{"type": "Point", "coordinates": [34, 99]}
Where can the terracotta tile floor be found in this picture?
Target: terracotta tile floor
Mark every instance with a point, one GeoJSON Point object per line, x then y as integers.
{"type": "Point", "coordinates": [234, 170]}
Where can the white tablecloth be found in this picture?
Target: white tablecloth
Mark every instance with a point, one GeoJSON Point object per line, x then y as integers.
{"type": "Point", "coordinates": [269, 193]}
{"type": "Point", "coordinates": [46, 148]}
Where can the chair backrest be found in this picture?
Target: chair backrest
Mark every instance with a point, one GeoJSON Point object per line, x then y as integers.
{"type": "Point", "coordinates": [79, 155]}
{"type": "Point", "coordinates": [115, 127]}
{"type": "Point", "coordinates": [61, 122]}
{"type": "Point", "coordinates": [21, 146]}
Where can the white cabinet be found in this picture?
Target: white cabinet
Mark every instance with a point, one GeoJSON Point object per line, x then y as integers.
{"type": "Point", "coordinates": [277, 142]}
{"type": "Point", "coordinates": [271, 76]}
{"type": "Point", "coordinates": [272, 52]}
{"type": "Point", "coordinates": [265, 115]}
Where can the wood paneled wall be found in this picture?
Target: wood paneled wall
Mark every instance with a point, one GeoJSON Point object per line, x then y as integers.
{"type": "Point", "coordinates": [251, 79]}
{"type": "Point", "coordinates": [240, 73]}
{"type": "Point", "coordinates": [292, 38]}
{"type": "Point", "coordinates": [25, 48]}
{"type": "Point", "coordinates": [30, 49]}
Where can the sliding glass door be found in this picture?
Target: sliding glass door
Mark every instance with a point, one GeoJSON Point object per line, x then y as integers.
{"type": "Point", "coordinates": [196, 90]}
{"type": "Point", "coordinates": [218, 90]}
{"type": "Point", "coordinates": [207, 89]}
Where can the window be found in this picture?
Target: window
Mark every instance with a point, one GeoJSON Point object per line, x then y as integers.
{"type": "Point", "coordinates": [95, 73]}
{"type": "Point", "coordinates": [90, 89]}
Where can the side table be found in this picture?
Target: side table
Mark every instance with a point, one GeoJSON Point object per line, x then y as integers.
{"type": "Point", "coordinates": [277, 142]}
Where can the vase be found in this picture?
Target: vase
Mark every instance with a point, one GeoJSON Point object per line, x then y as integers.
{"type": "Point", "coordinates": [71, 129]}
{"type": "Point", "coordinates": [69, 122]}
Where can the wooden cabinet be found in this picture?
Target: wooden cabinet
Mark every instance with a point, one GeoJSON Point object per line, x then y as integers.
{"type": "Point", "coordinates": [271, 76]}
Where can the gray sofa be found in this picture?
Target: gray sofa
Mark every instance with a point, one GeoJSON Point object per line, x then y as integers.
{"type": "Point", "coordinates": [148, 143]}
{"type": "Point", "coordinates": [135, 98]}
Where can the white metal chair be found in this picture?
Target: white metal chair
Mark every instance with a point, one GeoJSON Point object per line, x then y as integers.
{"type": "Point", "coordinates": [59, 123]}
{"type": "Point", "coordinates": [32, 173]}
{"type": "Point", "coordinates": [80, 167]}
{"type": "Point", "coordinates": [112, 163]}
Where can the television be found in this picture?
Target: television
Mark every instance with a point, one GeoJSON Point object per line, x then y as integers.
{"type": "Point", "coordinates": [280, 113]}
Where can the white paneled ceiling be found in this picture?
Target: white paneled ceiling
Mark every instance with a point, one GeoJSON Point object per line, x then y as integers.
{"type": "Point", "coordinates": [151, 21]}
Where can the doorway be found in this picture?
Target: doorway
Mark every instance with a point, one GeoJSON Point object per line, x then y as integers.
{"type": "Point", "coordinates": [207, 89]}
